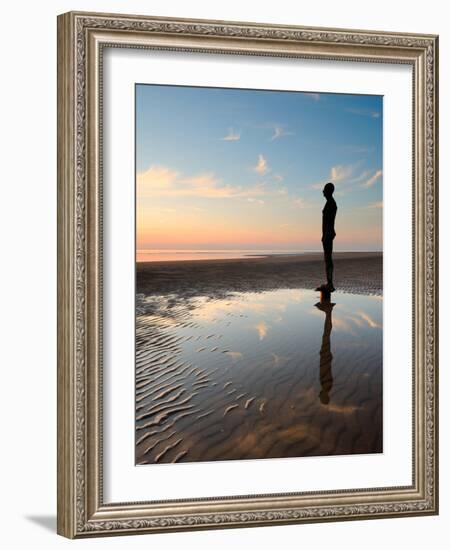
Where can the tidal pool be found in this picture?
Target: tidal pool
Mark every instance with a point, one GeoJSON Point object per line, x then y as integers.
{"type": "Point", "coordinates": [258, 375]}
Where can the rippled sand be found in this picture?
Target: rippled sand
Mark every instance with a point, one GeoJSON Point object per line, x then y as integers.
{"type": "Point", "coordinates": [256, 374]}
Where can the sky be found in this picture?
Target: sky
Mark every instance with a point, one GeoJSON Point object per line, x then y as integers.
{"type": "Point", "coordinates": [223, 169]}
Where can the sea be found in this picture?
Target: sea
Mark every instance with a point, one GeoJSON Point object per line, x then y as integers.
{"type": "Point", "coordinates": [172, 255]}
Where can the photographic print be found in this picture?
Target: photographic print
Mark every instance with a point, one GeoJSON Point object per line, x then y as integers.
{"type": "Point", "coordinates": [259, 290]}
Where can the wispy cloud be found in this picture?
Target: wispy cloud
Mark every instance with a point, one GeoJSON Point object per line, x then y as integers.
{"type": "Point", "coordinates": [255, 201]}
{"type": "Point", "coordinates": [341, 172]}
{"type": "Point", "coordinates": [338, 174]}
{"type": "Point", "coordinates": [232, 136]}
{"type": "Point", "coordinates": [279, 132]}
{"type": "Point", "coordinates": [363, 112]}
{"type": "Point", "coordinates": [261, 166]}
{"type": "Point", "coordinates": [378, 204]}
{"type": "Point", "coordinates": [372, 180]}
{"type": "Point", "coordinates": [278, 177]}
{"type": "Point", "coordinates": [160, 181]}
{"type": "Point", "coordinates": [299, 202]}
{"type": "Point", "coordinates": [344, 176]}
{"type": "Point", "coordinates": [317, 186]}
{"type": "Point", "coordinates": [360, 176]}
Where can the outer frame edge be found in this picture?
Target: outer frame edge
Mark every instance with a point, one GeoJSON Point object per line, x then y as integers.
{"type": "Point", "coordinates": [65, 397]}
{"type": "Point", "coordinates": [67, 146]}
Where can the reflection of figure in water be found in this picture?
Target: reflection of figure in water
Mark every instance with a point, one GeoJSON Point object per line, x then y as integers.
{"type": "Point", "coordinates": [326, 357]}
{"type": "Point", "coordinates": [328, 234]}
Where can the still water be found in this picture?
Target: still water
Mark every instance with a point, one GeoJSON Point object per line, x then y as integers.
{"type": "Point", "coordinates": [258, 375]}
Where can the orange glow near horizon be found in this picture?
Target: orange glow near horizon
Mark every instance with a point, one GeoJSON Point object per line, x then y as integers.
{"type": "Point", "coordinates": [198, 212]}
{"type": "Point", "coordinates": [191, 238]}
{"type": "Point", "coordinates": [183, 235]}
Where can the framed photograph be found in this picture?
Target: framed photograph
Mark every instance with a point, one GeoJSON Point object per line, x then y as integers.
{"type": "Point", "coordinates": [247, 274]}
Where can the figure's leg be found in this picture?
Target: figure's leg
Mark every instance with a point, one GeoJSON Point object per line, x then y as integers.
{"type": "Point", "coordinates": [329, 267]}
{"type": "Point", "coordinates": [327, 255]}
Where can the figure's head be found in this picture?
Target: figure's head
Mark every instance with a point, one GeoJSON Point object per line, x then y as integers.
{"type": "Point", "coordinates": [328, 190]}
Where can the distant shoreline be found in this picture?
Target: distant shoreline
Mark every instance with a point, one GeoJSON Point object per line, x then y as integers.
{"type": "Point", "coordinates": [355, 272]}
{"type": "Point", "coordinates": [206, 255]}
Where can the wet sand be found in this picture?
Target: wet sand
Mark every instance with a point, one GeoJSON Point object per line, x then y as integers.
{"type": "Point", "coordinates": [355, 272]}
{"type": "Point", "coordinates": [236, 360]}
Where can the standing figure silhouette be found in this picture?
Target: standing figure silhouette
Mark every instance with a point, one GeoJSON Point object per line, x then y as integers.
{"type": "Point", "coordinates": [328, 235]}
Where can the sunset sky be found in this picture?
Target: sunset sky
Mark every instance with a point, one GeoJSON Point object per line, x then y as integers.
{"type": "Point", "coordinates": [244, 169]}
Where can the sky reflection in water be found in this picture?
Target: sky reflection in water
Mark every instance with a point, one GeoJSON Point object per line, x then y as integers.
{"type": "Point", "coordinates": [259, 375]}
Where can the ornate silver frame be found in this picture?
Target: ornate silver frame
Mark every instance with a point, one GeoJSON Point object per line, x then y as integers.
{"type": "Point", "coordinates": [81, 39]}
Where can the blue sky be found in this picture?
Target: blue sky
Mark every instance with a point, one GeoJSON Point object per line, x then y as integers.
{"type": "Point", "coordinates": [231, 168]}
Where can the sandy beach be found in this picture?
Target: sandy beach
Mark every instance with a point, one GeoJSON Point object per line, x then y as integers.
{"type": "Point", "coordinates": [355, 272]}
{"type": "Point", "coordinates": [235, 359]}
